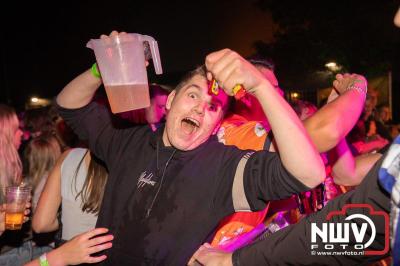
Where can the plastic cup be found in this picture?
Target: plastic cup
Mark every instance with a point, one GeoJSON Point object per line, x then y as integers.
{"type": "Point", "coordinates": [16, 200]}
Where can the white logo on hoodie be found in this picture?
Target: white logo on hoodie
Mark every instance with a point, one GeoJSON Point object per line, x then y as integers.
{"type": "Point", "coordinates": [145, 179]}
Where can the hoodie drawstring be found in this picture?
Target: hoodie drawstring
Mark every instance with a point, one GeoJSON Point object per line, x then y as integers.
{"type": "Point", "coordinates": [162, 179]}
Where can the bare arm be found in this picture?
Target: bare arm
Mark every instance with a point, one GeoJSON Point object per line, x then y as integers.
{"type": "Point", "coordinates": [297, 151]}
{"type": "Point", "coordinates": [350, 171]}
{"type": "Point", "coordinates": [79, 92]}
{"type": "Point", "coordinates": [333, 121]}
{"type": "Point", "coordinates": [79, 249]}
{"type": "Point", "coordinates": [45, 217]}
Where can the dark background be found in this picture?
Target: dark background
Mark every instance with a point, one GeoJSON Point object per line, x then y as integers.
{"type": "Point", "coordinates": [43, 45]}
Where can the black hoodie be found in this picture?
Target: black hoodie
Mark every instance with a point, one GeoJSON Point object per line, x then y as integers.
{"type": "Point", "coordinates": [160, 203]}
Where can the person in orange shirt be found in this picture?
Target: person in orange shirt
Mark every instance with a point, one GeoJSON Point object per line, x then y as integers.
{"type": "Point", "coordinates": [247, 128]}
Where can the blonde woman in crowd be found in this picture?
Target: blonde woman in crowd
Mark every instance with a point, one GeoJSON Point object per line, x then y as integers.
{"type": "Point", "coordinates": [77, 184]}
{"type": "Point", "coordinates": [11, 174]}
{"type": "Point", "coordinates": [10, 140]}
{"type": "Point", "coordinates": [41, 154]}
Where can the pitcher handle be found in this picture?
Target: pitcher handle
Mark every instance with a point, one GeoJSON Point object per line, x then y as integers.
{"type": "Point", "coordinates": [90, 44]}
{"type": "Point", "coordinates": [155, 54]}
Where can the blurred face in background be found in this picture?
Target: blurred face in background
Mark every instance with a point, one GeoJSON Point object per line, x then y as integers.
{"type": "Point", "coordinates": [372, 99]}
{"type": "Point", "coordinates": [370, 103]}
{"type": "Point", "coordinates": [372, 129]}
{"type": "Point", "coordinates": [156, 111]}
{"type": "Point", "coordinates": [384, 113]}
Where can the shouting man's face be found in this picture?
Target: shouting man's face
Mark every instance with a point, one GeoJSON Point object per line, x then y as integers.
{"type": "Point", "coordinates": [193, 114]}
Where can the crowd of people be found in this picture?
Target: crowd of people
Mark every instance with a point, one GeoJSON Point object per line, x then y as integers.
{"type": "Point", "coordinates": [199, 178]}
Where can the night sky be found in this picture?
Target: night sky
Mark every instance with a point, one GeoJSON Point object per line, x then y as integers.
{"type": "Point", "coordinates": [44, 45]}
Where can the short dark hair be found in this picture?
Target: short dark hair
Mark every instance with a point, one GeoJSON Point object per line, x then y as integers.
{"type": "Point", "coordinates": [260, 61]}
{"type": "Point", "coordinates": [200, 70]}
{"type": "Point", "coordinates": [155, 89]}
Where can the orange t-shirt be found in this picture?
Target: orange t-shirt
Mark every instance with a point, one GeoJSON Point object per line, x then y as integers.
{"type": "Point", "coordinates": [236, 130]}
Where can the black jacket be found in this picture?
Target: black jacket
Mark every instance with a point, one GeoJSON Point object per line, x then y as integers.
{"type": "Point", "coordinates": [160, 203]}
{"type": "Point", "coordinates": [292, 245]}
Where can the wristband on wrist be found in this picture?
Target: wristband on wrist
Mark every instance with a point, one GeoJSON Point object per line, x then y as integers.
{"type": "Point", "coordinates": [95, 71]}
{"type": "Point", "coordinates": [361, 90]}
{"type": "Point", "coordinates": [43, 260]}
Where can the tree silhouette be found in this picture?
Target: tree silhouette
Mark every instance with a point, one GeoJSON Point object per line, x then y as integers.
{"type": "Point", "coordinates": [358, 35]}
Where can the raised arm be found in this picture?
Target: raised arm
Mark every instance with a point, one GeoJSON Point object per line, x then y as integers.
{"type": "Point", "coordinates": [45, 217]}
{"type": "Point", "coordinates": [333, 121]}
{"type": "Point", "coordinates": [297, 151]}
{"type": "Point", "coordinates": [92, 121]}
{"type": "Point", "coordinates": [79, 92]}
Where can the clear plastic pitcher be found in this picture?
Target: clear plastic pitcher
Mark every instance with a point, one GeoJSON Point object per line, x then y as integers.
{"type": "Point", "coordinates": [121, 62]}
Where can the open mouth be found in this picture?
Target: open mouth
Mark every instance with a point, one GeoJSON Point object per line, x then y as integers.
{"type": "Point", "coordinates": [189, 125]}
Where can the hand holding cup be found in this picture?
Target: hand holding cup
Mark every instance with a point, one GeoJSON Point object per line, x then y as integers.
{"type": "Point", "coordinates": [17, 206]}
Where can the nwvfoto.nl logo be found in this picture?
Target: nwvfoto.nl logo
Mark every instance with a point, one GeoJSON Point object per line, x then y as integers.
{"type": "Point", "coordinates": [353, 235]}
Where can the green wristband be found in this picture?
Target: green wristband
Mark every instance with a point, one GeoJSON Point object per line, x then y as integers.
{"type": "Point", "coordinates": [95, 71]}
{"type": "Point", "coordinates": [43, 260]}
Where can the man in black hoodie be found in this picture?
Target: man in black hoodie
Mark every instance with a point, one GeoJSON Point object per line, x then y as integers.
{"type": "Point", "coordinates": [167, 191]}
